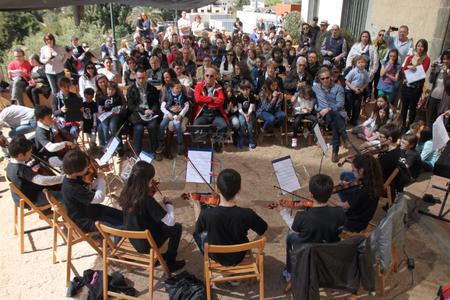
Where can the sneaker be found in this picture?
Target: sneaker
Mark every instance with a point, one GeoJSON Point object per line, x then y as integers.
{"type": "Point", "coordinates": [335, 157]}
{"type": "Point", "coordinates": [176, 265]}
{"type": "Point", "coordinates": [286, 275]}
{"type": "Point", "coordinates": [160, 148]}
{"type": "Point", "coordinates": [251, 145]}
{"type": "Point", "coordinates": [294, 143]}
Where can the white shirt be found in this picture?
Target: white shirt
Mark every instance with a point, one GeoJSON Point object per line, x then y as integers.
{"type": "Point", "coordinates": [16, 115]}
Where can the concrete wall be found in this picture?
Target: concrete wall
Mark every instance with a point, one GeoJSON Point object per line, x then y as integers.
{"type": "Point", "coordinates": [330, 10]}
{"type": "Point", "coordinates": [424, 19]}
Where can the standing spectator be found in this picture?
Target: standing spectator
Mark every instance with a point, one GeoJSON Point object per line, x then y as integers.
{"type": "Point", "coordinates": [237, 26]}
{"type": "Point", "coordinates": [87, 80]}
{"type": "Point", "coordinates": [124, 51]}
{"type": "Point", "coordinates": [389, 75]}
{"type": "Point", "coordinates": [19, 72]}
{"type": "Point", "coordinates": [71, 66]}
{"type": "Point", "coordinates": [184, 26]}
{"type": "Point", "coordinates": [439, 70]}
{"type": "Point", "coordinates": [260, 25]}
{"type": "Point", "coordinates": [330, 100]}
{"type": "Point", "coordinates": [323, 28]}
{"type": "Point", "coordinates": [381, 48]}
{"type": "Point", "coordinates": [76, 47]}
{"type": "Point", "coordinates": [364, 47]}
{"type": "Point", "coordinates": [401, 42]}
{"type": "Point", "coordinates": [315, 29]}
{"type": "Point", "coordinates": [204, 49]}
{"type": "Point", "coordinates": [53, 56]}
{"type": "Point", "coordinates": [334, 47]}
{"type": "Point", "coordinates": [197, 26]}
{"type": "Point", "coordinates": [87, 56]}
{"type": "Point", "coordinates": [107, 48]}
{"type": "Point", "coordinates": [38, 83]}
{"type": "Point", "coordinates": [356, 81]}
{"type": "Point", "coordinates": [411, 91]}
{"type": "Point", "coordinates": [306, 41]}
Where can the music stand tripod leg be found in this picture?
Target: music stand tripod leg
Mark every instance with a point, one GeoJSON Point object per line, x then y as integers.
{"type": "Point", "coordinates": [441, 215]}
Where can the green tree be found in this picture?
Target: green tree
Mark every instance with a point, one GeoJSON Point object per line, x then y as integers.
{"type": "Point", "coordinates": [99, 15]}
{"type": "Point", "coordinates": [238, 4]}
{"type": "Point", "coordinates": [15, 27]}
{"type": "Point", "coordinates": [293, 25]}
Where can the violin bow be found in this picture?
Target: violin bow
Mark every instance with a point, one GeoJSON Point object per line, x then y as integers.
{"type": "Point", "coordinates": [299, 196]}
{"type": "Point", "coordinates": [46, 164]}
{"type": "Point", "coordinates": [198, 172]}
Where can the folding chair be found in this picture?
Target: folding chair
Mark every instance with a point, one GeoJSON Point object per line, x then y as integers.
{"type": "Point", "coordinates": [124, 253]}
{"type": "Point", "coordinates": [20, 214]}
{"type": "Point", "coordinates": [388, 189]}
{"type": "Point", "coordinates": [249, 268]}
{"type": "Point", "coordinates": [69, 232]}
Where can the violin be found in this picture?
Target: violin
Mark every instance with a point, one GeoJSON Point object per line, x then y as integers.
{"type": "Point", "coordinates": [302, 204]}
{"type": "Point", "coordinates": [41, 167]}
{"type": "Point", "coordinates": [372, 150]}
{"type": "Point", "coordinates": [207, 198]}
{"type": "Point", "coordinates": [61, 135]}
{"type": "Point", "coordinates": [347, 185]}
{"type": "Point", "coordinates": [154, 188]}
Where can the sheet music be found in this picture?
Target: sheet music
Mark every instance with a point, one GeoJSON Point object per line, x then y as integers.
{"type": "Point", "coordinates": [110, 149]}
{"type": "Point", "coordinates": [202, 160]}
{"type": "Point", "coordinates": [419, 74]}
{"type": "Point", "coordinates": [104, 116]}
{"type": "Point", "coordinates": [440, 135]}
{"type": "Point", "coordinates": [147, 157]}
{"type": "Point", "coordinates": [285, 173]}
{"type": "Point", "coordinates": [320, 140]}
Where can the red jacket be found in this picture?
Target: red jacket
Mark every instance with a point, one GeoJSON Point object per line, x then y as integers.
{"type": "Point", "coordinates": [201, 99]}
{"type": "Point", "coordinates": [425, 64]}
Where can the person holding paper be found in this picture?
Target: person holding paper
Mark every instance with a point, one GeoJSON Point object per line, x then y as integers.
{"type": "Point", "coordinates": [440, 93]}
{"type": "Point", "coordinates": [142, 212]}
{"type": "Point", "coordinates": [330, 100]}
{"type": "Point", "coordinates": [411, 91]}
{"type": "Point", "coordinates": [19, 72]}
{"type": "Point", "coordinates": [62, 102]}
{"type": "Point", "coordinates": [319, 224]}
{"type": "Point", "coordinates": [227, 224]}
{"type": "Point", "coordinates": [82, 202]}
{"type": "Point", "coordinates": [143, 108]}
{"type": "Point", "coordinates": [53, 56]}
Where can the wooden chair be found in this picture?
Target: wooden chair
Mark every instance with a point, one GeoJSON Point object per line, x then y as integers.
{"type": "Point", "coordinates": [249, 268]}
{"type": "Point", "coordinates": [387, 188]}
{"type": "Point", "coordinates": [20, 214]}
{"type": "Point", "coordinates": [71, 234]}
{"type": "Point", "coordinates": [124, 253]}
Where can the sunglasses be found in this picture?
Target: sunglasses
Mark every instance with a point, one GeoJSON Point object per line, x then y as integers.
{"type": "Point", "coordinates": [324, 78]}
{"type": "Point", "coordinates": [209, 75]}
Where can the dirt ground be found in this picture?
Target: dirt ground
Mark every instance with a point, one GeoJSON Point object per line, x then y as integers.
{"type": "Point", "coordinates": [33, 276]}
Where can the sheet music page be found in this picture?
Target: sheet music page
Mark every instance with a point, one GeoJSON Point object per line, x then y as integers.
{"type": "Point", "coordinates": [104, 116]}
{"type": "Point", "coordinates": [285, 173]}
{"type": "Point", "coordinates": [440, 135]}
{"type": "Point", "coordinates": [147, 157]}
{"type": "Point", "coordinates": [419, 74]}
{"type": "Point", "coordinates": [202, 160]}
{"type": "Point", "coordinates": [320, 140]}
{"type": "Point", "coordinates": [110, 149]}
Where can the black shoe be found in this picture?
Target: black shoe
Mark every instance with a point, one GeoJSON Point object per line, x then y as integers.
{"type": "Point", "coordinates": [181, 151]}
{"type": "Point", "coordinates": [176, 265]}
{"type": "Point", "coordinates": [335, 157]}
{"type": "Point", "coordinates": [160, 149]}
{"type": "Point", "coordinates": [158, 156]}
{"type": "Point", "coordinates": [218, 148]}
{"type": "Point", "coordinates": [120, 152]}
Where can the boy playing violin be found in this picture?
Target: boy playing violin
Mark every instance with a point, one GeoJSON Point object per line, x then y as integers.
{"type": "Point", "coordinates": [82, 203]}
{"type": "Point", "coordinates": [319, 224]}
{"type": "Point", "coordinates": [227, 224]}
{"type": "Point", "coordinates": [46, 147]}
{"type": "Point", "coordinates": [23, 176]}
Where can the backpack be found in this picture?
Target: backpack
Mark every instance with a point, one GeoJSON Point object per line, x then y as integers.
{"type": "Point", "coordinates": [185, 286]}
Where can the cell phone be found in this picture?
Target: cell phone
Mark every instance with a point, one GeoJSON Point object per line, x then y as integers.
{"type": "Point", "coordinates": [394, 28]}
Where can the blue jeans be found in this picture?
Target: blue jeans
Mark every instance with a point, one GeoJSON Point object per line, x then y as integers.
{"type": "Point", "coordinates": [138, 132]}
{"type": "Point", "coordinates": [178, 128]}
{"type": "Point", "coordinates": [337, 123]}
{"type": "Point", "coordinates": [272, 120]}
{"type": "Point", "coordinates": [18, 87]}
{"type": "Point", "coordinates": [53, 81]}
{"type": "Point", "coordinates": [216, 120]}
{"type": "Point", "coordinates": [249, 125]}
{"type": "Point", "coordinates": [200, 239]}
{"type": "Point", "coordinates": [23, 129]}
{"type": "Point", "coordinates": [109, 128]}
{"type": "Point", "coordinates": [347, 194]}
{"type": "Point", "coordinates": [291, 238]}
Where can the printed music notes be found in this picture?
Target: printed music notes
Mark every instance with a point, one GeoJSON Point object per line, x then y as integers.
{"type": "Point", "coordinates": [147, 157]}
{"type": "Point", "coordinates": [202, 159]}
{"type": "Point", "coordinates": [110, 149]}
{"type": "Point", "coordinates": [285, 173]}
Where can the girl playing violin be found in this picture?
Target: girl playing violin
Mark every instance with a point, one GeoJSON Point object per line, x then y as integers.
{"type": "Point", "coordinates": [141, 212]}
{"type": "Point", "coordinates": [360, 202]}
{"type": "Point", "coordinates": [319, 224]}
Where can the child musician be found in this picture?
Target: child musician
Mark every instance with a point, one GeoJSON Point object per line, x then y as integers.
{"type": "Point", "coordinates": [360, 202]}
{"type": "Point", "coordinates": [389, 135]}
{"type": "Point", "coordinates": [23, 176]}
{"type": "Point", "coordinates": [227, 224]}
{"type": "Point", "coordinates": [319, 224]}
{"type": "Point", "coordinates": [81, 201]}
{"type": "Point", "coordinates": [46, 148]}
{"type": "Point", "coordinates": [409, 156]}
{"type": "Point", "coordinates": [141, 212]}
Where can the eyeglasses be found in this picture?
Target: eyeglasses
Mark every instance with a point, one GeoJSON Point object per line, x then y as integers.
{"type": "Point", "coordinates": [324, 78]}
{"type": "Point", "coordinates": [380, 34]}
{"type": "Point", "coordinates": [209, 75]}
{"type": "Point", "coordinates": [304, 28]}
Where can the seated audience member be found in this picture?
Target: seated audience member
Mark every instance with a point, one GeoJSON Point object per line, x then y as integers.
{"type": "Point", "coordinates": [174, 109]}
{"type": "Point", "coordinates": [60, 105]}
{"type": "Point", "coordinates": [247, 112]}
{"type": "Point", "coordinates": [71, 65]}
{"type": "Point", "coordinates": [368, 130]}
{"type": "Point", "coordinates": [297, 75]}
{"type": "Point", "coordinates": [154, 74]}
{"type": "Point", "coordinates": [82, 202]}
{"type": "Point", "coordinates": [143, 108]}
{"type": "Point", "coordinates": [409, 156]}
{"type": "Point", "coordinates": [108, 70]}
{"type": "Point", "coordinates": [227, 224]}
{"type": "Point", "coordinates": [361, 201]}
{"type": "Point", "coordinates": [28, 181]}
{"type": "Point", "coordinates": [269, 74]}
{"type": "Point", "coordinates": [20, 120]}
{"type": "Point", "coordinates": [319, 224]}
{"type": "Point", "coordinates": [129, 73]}
{"type": "Point", "coordinates": [210, 98]}
{"type": "Point", "coordinates": [200, 73]}
{"type": "Point", "coordinates": [38, 84]}
{"type": "Point", "coordinates": [19, 72]}
{"type": "Point", "coordinates": [231, 108]}
{"type": "Point", "coordinates": [182, 75]}
{"type": "Point", "coordinates": [46, 147]}
{"type": "Point", "coordinates": [330, 101]}
{"type": "Point", "coordinates": [88, 80]}
{"type": "Point", "coordinates": [189, 64]}
{"type": "Point", "coordinates": [270, 106]}
{"type": "Point", "coordinates": [90, 116]}
{"type": "Point", "coordinates": [142, 212]}
{"type": "Point", "coordinates": [258, 70]}
{"type": "Point", "coordinates": [303, 107]}
{"type": "Point", "coordinates": [313, 64]}
{"type": "Point", "coordinates": [425, 149]}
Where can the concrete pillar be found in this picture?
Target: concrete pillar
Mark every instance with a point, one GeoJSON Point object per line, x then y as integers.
{"type": "Point", "coordinates": [441, 35]}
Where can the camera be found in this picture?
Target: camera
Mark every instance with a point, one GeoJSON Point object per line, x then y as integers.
{"type": "Point", "coordinates": [394, 28]}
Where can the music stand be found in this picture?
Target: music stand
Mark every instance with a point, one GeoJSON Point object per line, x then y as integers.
{"type": "Point", "coordinates": [202, 134]}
